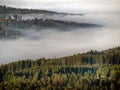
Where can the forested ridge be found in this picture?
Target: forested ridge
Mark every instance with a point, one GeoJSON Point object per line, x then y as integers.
{"type": "Point", "coordinates": [13, 28]}
{"type": "Point", "coordinates": [10, 10]}
{"type": "Point", "coordinates": [43, 24]}
{"type": "Point", "coordinates": [87, 71]}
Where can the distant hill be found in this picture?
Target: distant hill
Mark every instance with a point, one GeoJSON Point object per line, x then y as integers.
{"type": "Point", "coordinates": [10, 23]}
{"type": "Point", "coordinates": [48, 23]}
{"type": "Point", "coordinates": [15, 28]}
{"type": "Point", "coordinates": [10, 10]}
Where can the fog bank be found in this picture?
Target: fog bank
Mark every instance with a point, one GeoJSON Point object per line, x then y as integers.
{"type": "Point", "coordinates": [52, 43]}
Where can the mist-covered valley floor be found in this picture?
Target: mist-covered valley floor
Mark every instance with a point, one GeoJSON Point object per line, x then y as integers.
{"type": "Point", "coordinates": [50, 43]}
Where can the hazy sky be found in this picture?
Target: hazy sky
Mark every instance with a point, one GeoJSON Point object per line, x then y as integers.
{"type": "Point", "coordinates": [81, 1]}
{"type": "Point", "coordinates": [67, 5]}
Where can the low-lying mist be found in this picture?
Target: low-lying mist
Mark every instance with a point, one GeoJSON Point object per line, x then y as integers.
{"type": "Point", "coordinates": [52, 43]}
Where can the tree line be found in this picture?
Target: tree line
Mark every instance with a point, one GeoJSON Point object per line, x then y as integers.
{"type": "Point", "coordinates": [18, 23]}
{"type": "Point", "coordinates": [10, 10]}
{"type": "Point", "coordinates": [87, 71]}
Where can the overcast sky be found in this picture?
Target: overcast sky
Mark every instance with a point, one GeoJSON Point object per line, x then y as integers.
{"type": "Point", "coordinates": [67, 5]}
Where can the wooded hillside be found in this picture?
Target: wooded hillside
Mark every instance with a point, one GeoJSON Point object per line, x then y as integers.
{"type": "Point", "coordinates": [87, 71]}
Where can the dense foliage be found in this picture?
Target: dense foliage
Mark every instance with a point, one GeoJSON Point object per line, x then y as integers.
{"type": "Point", "coordinates": [87, 71]}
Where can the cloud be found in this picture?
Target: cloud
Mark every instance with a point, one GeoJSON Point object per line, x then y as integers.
{"type": "Point", "coordinates": [54, 43]}
{"type": "Point", "coordinates": [62, 5]}
{"type": "Point", "coordinates": [78, 1]}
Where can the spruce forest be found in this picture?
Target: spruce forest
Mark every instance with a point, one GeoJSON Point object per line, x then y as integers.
{"type": "Point", "coordinates": [87, 71]}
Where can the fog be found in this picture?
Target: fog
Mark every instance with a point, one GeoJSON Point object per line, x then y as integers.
{"type": "Point", "coordinates": [52, 43]}
{"type": "Point", "coordinates": [76, 6]}
{"type": "Point", "coordinates": [110, 19]}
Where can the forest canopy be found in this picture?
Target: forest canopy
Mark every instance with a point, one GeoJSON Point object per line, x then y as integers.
{"type": "Point", "coordinates": [87, 71]}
